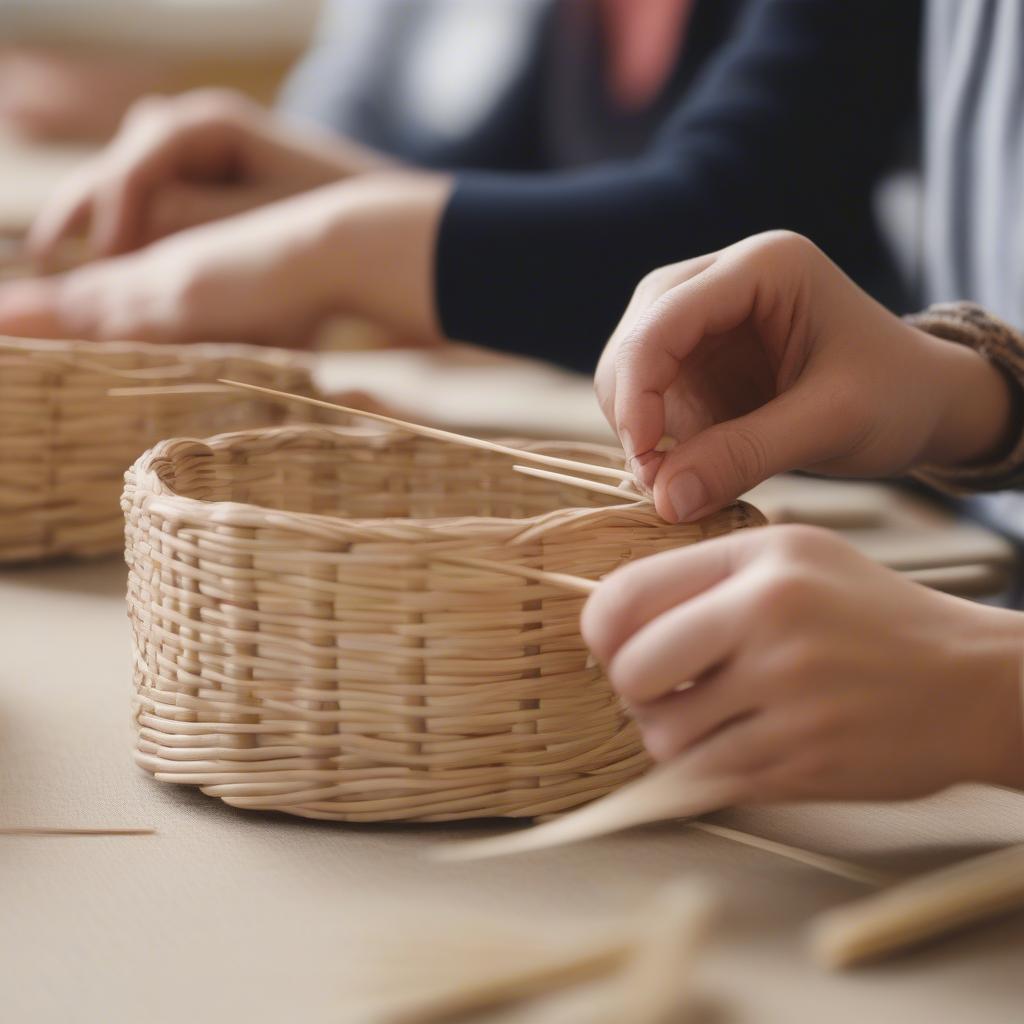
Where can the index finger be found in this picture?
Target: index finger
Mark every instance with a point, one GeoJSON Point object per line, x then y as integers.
{"type": "Point", "coordinates": [63, 215]}
{"type": "Point", "coordinates": [652, 288]}
{"type": "Point", "coordinates": [717, 298]}
{"type": "Point", "coordinates": [641, 591]}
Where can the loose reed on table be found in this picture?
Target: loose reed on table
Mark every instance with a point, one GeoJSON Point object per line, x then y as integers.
{"type": "Point", "coordinates": [301, 645]}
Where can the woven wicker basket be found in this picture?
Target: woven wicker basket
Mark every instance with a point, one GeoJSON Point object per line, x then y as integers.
{"type": "Point", "coordinates": [299, 647]}
{"type": "Point", "coordinates": [65, 443]}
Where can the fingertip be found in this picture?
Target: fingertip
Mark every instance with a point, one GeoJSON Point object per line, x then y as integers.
{"type": "Point", "coordinates": [591, 626]}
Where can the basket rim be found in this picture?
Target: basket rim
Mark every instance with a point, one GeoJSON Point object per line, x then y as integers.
{"type": "Point", "coordinates": [159, 498]}
{"type": "Point", "coordinates": [172, 353]}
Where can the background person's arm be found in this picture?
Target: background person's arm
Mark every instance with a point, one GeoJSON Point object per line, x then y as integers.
{"type": "Point", "coordinates": [788, 127]}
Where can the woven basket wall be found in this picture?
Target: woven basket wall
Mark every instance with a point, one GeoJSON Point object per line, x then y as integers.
{"type": "Point", "coordinates": [65, 443]}
{"type": "Point", "coordinates": [297, 649]}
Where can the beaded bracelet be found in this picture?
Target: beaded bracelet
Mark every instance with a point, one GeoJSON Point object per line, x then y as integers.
{"type": "Point", "coordinates": [968, 324]}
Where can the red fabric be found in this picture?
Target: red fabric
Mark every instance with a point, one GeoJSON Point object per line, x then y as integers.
{"type": "Point", "coordinates": [644, 40]}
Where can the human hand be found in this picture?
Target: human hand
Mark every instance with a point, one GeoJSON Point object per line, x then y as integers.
{"type": "Point", "coordinates": [765, 357]}
{"type": "Point", "coordinates": [816, 673]}
{"type": "Point", "coordinates": [181, 161]}
{"type": "Point", "coordinates": [268, 276]}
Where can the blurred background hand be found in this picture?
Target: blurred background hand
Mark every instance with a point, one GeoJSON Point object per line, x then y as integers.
{"type": "Point", "coordinates": [182, 161]}
{"type": "Point", "coordinates": [270, 275]}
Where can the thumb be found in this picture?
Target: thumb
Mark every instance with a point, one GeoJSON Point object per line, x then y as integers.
{"type": "Point", "coordinates": [797, 430]}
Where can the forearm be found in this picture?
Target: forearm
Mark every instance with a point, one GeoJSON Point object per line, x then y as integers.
{"type": "Point", "coordinates": [993, 714]}
{"type": "Point", "coordinates": [375, 256]}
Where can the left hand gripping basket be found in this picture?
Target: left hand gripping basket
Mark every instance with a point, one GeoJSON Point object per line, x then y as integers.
{"type": "Point", "coordinates": [65, 443]}
{"type": "Point", "coordinates": [301, 646]}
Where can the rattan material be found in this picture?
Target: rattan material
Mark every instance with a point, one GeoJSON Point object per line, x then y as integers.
{"type": "Point", "coordinates": [298, 647]}
{"type": "Point", "coordinates": [65, 443]}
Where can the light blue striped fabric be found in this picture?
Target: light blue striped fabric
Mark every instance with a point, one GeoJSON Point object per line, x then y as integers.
{"type": "Point", "coordinates": [974, 154]}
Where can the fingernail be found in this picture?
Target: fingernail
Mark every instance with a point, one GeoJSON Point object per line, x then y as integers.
{"type": "Point", "coordinates": [645, 469]}
{"type": "Point", "coordinates": [687, 495]}
{"type": "Point", "coordinates": [626, 440]}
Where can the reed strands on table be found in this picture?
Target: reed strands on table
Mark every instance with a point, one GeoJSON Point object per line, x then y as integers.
{"type": "Point", "coordinates": [840, 867]}
{"type": "Point", "coordinates": [670, 791]}
{"type": "Point", "coordinates": [65, 443]}
{"type": "Point", "coordinates": [300, 644]}
{"type": "Point", "coordinates": [36, 830]}
{"type": "Point", "coordinates": [644, 964]}
{"type": "Point", "coordinates": [507, 984]}
{"type": "Point", "coordinates": [435, 433]}
{"type": "Point", "coordinates": [656, 982]}
{"type": "Point", "coordinates": [920, 909]}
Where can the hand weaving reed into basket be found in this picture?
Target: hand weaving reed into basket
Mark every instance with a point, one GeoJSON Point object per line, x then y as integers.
{"type": "Point", "coordinates": [301, 643]}
{"type": "Point", "coordinates": [65, 442]}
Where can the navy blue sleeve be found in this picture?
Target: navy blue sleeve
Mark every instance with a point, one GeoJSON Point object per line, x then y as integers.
{"type": "Point", "coordinates": [789, 126]}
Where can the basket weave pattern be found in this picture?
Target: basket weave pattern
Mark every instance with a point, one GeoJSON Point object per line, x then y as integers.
{"type": "Point", "coordinates": [65, 443]}
{"type": "Point", "coordinates": [298, 647]}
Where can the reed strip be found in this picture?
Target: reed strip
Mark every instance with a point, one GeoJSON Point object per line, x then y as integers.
{"type": "Point", "coordinates": [170, 390]}
{"type": "Point", "coordinates": [440, 435]}
{"type": "Point", "coordinates": [671, 790]}
{"type": "Point", "coordinates": [587, 485]}
{"type": "Point", "coordinates": [510, 985]}
{"type": "Point", "coordinates": [564, 580]}
{"type": "Point", "coordinates": [656, 983]}
{"type": "Point", "coordinates": [652, 955]}
{"type": "Point", "coordinates": [923, 908]}
{"type": "Point", "coordinates": [39, 830]}
{"type": "Point", "coordinates": [822, 862]}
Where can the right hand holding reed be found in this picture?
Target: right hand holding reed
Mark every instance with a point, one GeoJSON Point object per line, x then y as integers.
{"type": "Point", "coordinates": [786, 661]}
{"type": "Point", "coordinates": [764, 357]}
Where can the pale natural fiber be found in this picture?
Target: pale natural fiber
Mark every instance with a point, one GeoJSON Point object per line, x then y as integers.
{"type": "Point", "coordinates": [65, 442]}
{"type": "Point", "coordinates": [300, 644]}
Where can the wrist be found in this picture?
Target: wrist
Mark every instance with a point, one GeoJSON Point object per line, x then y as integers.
{"type": "Point", "coordinates": [379, 246]}
{"type": "Point", "coordinates": [976, 405]}
{"type": "Point", "coordinates": [992, 666]}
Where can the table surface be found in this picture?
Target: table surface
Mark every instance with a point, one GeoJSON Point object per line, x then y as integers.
{"type": "Point", "coordinates": [227, 915]}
